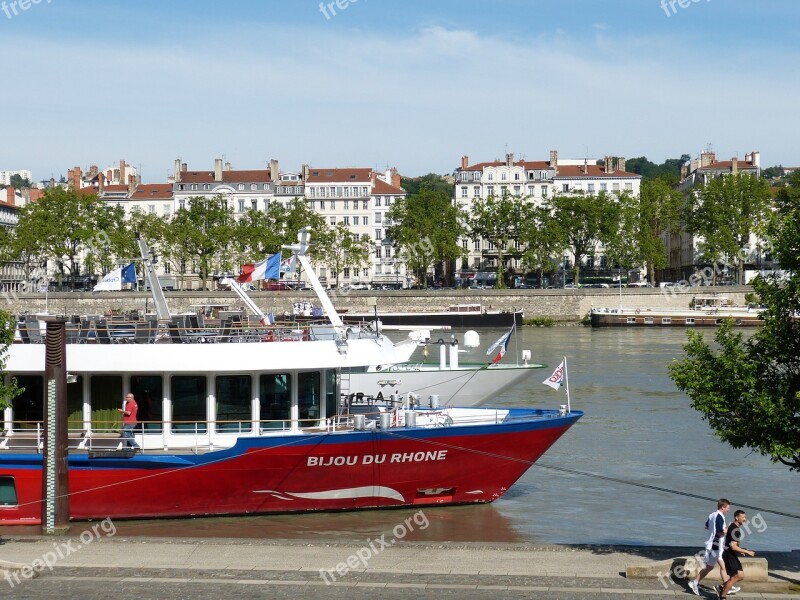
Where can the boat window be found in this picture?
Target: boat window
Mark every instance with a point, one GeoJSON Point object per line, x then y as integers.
{"type": "Point", "coordinates": [188, 396]}
{"type": "Point", "coordinates": [28, 406]}
{"type": "Point", "coordinates": [149, 393]}
{"type": "Point", "coordinates": [631, 320]}
{"type": "Point", "coordinates": [275, 399]}
{"type": "Point", "coordinates": [106, 398]}
{"type": "Point", "coordinates": [648, 320]}
{"type": "Point", "coordinates": [666, 321]}
{"type": "Point", "coordinates": [234, 397]}
{"type": "Point", "coordinates": [690, 321]}
{"type": "Point", "coordinates": [75, 404]}
{"type": "Point", "coordinates": [331, 393]}
{"type": "Point", "coordinates": [308, 397]}
{"type": "Point", "coordinates": [8, 492]}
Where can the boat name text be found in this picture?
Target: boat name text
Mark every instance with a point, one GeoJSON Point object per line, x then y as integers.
{"type": "Point", "coordinates": [375, 459]}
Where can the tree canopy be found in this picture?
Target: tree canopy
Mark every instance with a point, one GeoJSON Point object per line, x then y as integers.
{"type": "Point", "coordinates": [749, 390]}
{"type": "Point", "coordinates": [8, 391]}
{"type": "Point", "coordinates": [725, 212]}
{"type": "Point", "coordinates": [424, 229]}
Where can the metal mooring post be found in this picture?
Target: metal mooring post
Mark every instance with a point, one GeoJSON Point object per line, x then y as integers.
{"type": "Point", "coordinates": [55, 474]}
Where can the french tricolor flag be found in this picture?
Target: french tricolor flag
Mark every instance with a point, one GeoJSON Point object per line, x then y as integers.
{"type": "Point", "coordinates": [501, 346]}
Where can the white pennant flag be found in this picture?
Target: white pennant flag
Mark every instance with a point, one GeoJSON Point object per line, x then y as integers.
{"type": "Point", "coordinates": [555, 380]}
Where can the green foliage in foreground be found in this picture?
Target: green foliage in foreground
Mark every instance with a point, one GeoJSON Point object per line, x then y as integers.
{"type": "Point", "coordinates": [8, 391]}
{"type": "Point", "coordinates": [538, 322]}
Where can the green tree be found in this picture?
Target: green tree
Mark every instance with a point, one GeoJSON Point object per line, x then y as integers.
{"type": "Point", "coordinates": [544, 241]}
{"type": "Point", "coordinates": [203, 232]}
{"type": "Point", "coordinates": [586, 221]}
{"type": "Point", "coordinates": [339, 249]}
{"type": "Point", "coordinates": [8, 391]}
{"type": "Point", "coordinates": [415, 185]}
{"type": "Point", "coordinates": [725, 212]}
{"type": "Point", "coordinates": [63, 224]}
{"type": "Point", "coordinates": [18, 182]}
{"type": "Point", "coordinates": [500, 221]}
{"type": "Point", "coordinates": [749, 390]}
{"type": "Point", "coordinates": [659, 210]}
{"type": "Point", "coordinates": [424, 229]}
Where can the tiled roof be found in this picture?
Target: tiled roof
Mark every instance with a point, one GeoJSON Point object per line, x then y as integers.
{"type": "Point", "coordinates": [525, 164]}
{"type": "Point", "coordinates": [594, 171]}
{"type": "Point", "coordinates": [156, 191]}
{"type": "Point", "coordinates": [256, 175]}
{"type": "Point", "coordinates": [351, 175]}
{"type": "Point", "coordinates": [379, 186]}
{"type": "Point", "coordinates": [724, 165]}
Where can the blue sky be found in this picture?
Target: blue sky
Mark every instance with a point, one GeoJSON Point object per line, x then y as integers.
{"type": "Point", "coordinates": [410, 84]}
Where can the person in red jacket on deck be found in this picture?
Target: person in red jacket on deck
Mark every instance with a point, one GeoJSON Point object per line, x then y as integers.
{"type": "Point", "coordinates": [129, 421]}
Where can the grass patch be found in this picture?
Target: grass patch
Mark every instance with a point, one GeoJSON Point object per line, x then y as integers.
{"type": "Point", "coordinates": [538, 322]}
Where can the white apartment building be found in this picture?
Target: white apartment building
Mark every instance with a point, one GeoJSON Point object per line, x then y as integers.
{"type": "Point", "coordinates": [359, 198]}
{"type": "Point", "coordinates": [5, 176]}
{"type": "Point", "coordinates": [536, 181]}
{"type": "Point", "coordinates": [243, 189]}
{"type": "Point", "coordinates": [683, 247]}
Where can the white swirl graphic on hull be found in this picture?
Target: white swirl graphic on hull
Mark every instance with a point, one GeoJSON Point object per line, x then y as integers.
{"type": "Point", "coordinates": [367, 491]}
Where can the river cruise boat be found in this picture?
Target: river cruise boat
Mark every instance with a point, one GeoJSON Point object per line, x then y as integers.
{"type": "Point", "coordinates": [706, 311]}
{"type": "Point", "coordinates": [461, 316]}
{"type": "Point", "coordinates": [250, 420]}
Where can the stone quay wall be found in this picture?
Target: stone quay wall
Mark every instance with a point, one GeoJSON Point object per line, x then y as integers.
{"type": "Point", "coordinates": [561, 305]}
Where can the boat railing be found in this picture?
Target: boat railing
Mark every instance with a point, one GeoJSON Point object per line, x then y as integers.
{"type": "Point", "coordinates": [195, 436]}
{"type": "Point", "coordinates": [180, 330]}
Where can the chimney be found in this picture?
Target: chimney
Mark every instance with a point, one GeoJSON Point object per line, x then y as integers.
{"type": "Point", "coordinates": [274, 171]}
{"type": "Point", "coordinates": [122, 175]}
{"type": "Point", "coordinates": [621, 163]}
{"type": "Point", "coordinates": [464, 162]}
{"type": "Point", "coordinates": [607, 166]}
{"type": "Point", "coordinates": [10, 196]}
{"type": "Point", "coordinates": [110, 176]}
{"type": "Point", "coordinates": [684, 170]}
{"type": "Point", "coordinates": [217, 169]}
{"type": "Point", "coordinates": [509, 159]}
{"type": "Point", "coordinates": [177, 170]}
{"type": "Point", "coordinates": [554, 160]}
{"type": "Point", "coordinates": [74, 178]}
{"type": "Point", "coordinates": [228, 165]}
{"type": "Point", "coordinates": [305, 172]}
{"type": "Point", "coordinates": [101, 183]}
{"type": "Point", "coordinates": [184, 167]}
{"type": "Point", "coordinates": [734, 165]}
{"type": "Point", "coordinates": [756, 160]}
{"type": "Point", "coordinates": [131, 185]}
{"type": "Point", "coordinates": [52, 183]}
{"type": "Point", "coordinates": [93, 170]}
{"type": "Point", "coordinates": [395, 178]}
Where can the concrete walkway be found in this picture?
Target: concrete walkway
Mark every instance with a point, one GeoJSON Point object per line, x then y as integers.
{"type": "Point", "coordinates": [97, 559]}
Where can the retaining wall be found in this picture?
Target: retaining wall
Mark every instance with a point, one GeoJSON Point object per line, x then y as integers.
{"type": "Point", "coordinates": [561, 305]}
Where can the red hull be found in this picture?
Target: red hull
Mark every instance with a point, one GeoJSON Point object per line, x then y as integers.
{"type": "Point", "coordinates": [296, 473]}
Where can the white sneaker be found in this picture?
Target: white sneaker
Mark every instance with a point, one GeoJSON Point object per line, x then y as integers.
{"type": "Point", "coordinates": [735, 590]}
{"type": "Point", "coordinates": [693, 587]}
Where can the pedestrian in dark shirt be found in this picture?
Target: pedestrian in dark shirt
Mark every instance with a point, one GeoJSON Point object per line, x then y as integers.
{"type": "Point", "coordinates": [733, 550]}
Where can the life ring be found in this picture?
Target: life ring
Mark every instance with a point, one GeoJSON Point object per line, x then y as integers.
{"type": "Point", "coordinates": [268, 337]}
{"type": "Point", "coordinates": [638, 310]}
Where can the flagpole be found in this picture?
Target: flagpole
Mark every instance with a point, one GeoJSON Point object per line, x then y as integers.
{"type": "Point", "coordinates": [566, 384]}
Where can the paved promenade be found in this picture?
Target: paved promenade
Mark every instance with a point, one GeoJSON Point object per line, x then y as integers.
{"type": "Point", "coordinates": [101, 566]}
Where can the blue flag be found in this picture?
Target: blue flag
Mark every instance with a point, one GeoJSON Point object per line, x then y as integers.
{"type": "Point", "coordinates": [129, 274]}
{"type": "Point", "coordinates": [273, 267]}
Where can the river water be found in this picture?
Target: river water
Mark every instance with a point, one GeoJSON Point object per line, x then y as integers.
{"type": "Point", "coordinates": [637, 428]}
